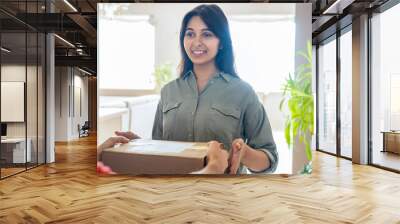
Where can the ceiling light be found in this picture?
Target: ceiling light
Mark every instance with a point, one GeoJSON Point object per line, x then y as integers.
{"type": "Point", "coordinates": [70, 5]}
{"type": "Point", "coordinates": [64, 40]}
{"type": "Point", "coordinates": [5, 50]}
{"type": "Point", "coordinates": [337, 7]}
{"type": "Point", "coordinates": [84, 71]}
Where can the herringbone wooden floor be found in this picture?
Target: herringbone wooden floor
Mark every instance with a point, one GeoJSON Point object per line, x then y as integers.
{"type": "Point", "coordinates": [70, 191]}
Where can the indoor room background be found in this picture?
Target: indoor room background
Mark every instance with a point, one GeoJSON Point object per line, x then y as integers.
{"type": "Point", "coordinates": [138, 43]}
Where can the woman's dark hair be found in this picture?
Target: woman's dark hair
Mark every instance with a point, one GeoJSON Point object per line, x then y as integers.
{"type": "Point", "coordinates": [216, 21]}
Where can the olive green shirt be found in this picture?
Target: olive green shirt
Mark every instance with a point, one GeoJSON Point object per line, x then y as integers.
{"type": "Point", "coordinates": [227, 108]}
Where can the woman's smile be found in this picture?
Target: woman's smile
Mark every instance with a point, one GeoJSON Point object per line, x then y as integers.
{"type": "Point", "coordinates": [199, 52]}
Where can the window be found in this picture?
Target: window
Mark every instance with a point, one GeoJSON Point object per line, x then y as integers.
{"type": "Point", "coordinates": [327, 96]}
{"type": "Point", "coordinates": [267, 58]}
{"type": "Point", "coordinates": [394, 101]}
{"type": "Point", "coordinates": [22, 65]}
{"type": "Point", "coordinates": [126, 52]}
{"type": "Point", "coordinates": [385, 88]}
{"type": "Point", "coordinates": [346, 94]}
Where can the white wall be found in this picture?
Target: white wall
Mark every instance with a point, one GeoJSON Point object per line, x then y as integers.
{"type": "Point", "coordinates": [61, 103]}
{"type": "Point", "coordinates": [68, 81]}
{"type": "Point", "coordinates": [80, 83]}
{"type": "Point", "coordinates": [303, 34]}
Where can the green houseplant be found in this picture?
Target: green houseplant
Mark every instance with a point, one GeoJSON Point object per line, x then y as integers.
{"type": "Point", "coordinates": [297, 96]}
{"type": "Point", "coordinates": [163, 74]}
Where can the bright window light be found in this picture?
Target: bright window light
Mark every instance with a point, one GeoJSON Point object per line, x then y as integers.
{"type": "Point", "coordinates": [264, 49]}
{"type": "Point", "coordinates": [126, 52]}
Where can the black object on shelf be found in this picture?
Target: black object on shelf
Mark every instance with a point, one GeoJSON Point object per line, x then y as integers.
{"type": "Point", "coordinates": [84, 130]}
{"type": "Point", "coordinates": [3, 129]}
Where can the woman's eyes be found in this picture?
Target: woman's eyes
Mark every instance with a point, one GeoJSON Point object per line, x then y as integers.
{"type": "Point", "coordinates": [206, 34]}
{"type": "Point", "coordinates": [189, 34]}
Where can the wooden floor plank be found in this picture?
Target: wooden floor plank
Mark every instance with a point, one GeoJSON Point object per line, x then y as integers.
{"type": "Point", "coordinates": [70, 191]}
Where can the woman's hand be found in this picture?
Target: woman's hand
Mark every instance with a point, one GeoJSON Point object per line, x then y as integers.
{"type": "Point", "coordinates": [239, 149]}
{"type": "Point", "coordinates": [127, 134]}
{"type": "Point", "coordinates": [255, 160]}
{"type": "Point", "coordinates": [121, 137]}
{"type": "Point", "coordinates": [110, 142]}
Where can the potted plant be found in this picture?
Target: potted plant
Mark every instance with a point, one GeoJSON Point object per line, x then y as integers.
{"type": "Point", "coordinates": [163, 74]}
{"type": "Point", "coordinates": [298, 98]}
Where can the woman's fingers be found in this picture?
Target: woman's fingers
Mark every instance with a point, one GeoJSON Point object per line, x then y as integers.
{"type": "Point", "coordinates": [238, 143]}
{"type": "Point", "coordinates": [110, 142]}
{"type": "Point", "coordinates": [119, 139]}
{"type": "Point", "coordinates": [235, 160]}
{"type": "Point", "coordinates": [127, 134]}
{"type": "Point", "coordinates": [236, 155]}
{"type": "Point", "coordinates": [234, 164]}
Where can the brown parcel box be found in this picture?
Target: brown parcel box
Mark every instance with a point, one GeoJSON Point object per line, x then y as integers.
{"type": "Point", "coordinates": [143, 156]}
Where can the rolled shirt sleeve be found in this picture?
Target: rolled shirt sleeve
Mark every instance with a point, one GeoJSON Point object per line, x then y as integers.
{"type": "Point", "coordinates": [258, 133]}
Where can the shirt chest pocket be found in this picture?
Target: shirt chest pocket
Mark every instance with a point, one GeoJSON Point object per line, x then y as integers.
{"type": "Point", "coordinates": [170, 111]}
{"type": "Point", "coordinates": [225, 121]}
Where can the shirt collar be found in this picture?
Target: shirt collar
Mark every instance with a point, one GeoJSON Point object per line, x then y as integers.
{"type": "Point", "coordinates": [224, 75]}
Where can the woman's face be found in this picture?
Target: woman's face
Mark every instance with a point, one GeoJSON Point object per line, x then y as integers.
{"type": "Point", "coordinates": [201, 44]}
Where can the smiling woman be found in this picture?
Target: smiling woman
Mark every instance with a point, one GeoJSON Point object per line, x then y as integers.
{"type": "Point", "coordinates": [213, 96]}
{"type": "Point", "coordinates": [210, 101]}
{"type": "Point", "coordinates": [205, 40]}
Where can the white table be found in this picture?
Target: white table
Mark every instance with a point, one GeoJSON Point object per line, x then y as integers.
{"type": "Point", "coordinates": [16, 147]}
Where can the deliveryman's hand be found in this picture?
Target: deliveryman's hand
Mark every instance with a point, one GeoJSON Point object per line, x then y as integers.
{"type": "Point", "coordinates": [217, 157]}
{"type": "Point", "coordinates": [103, 169]}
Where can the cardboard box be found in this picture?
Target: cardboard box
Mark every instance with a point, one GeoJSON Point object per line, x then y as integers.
{"type": "Point", "coordinates": [143, 156]}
